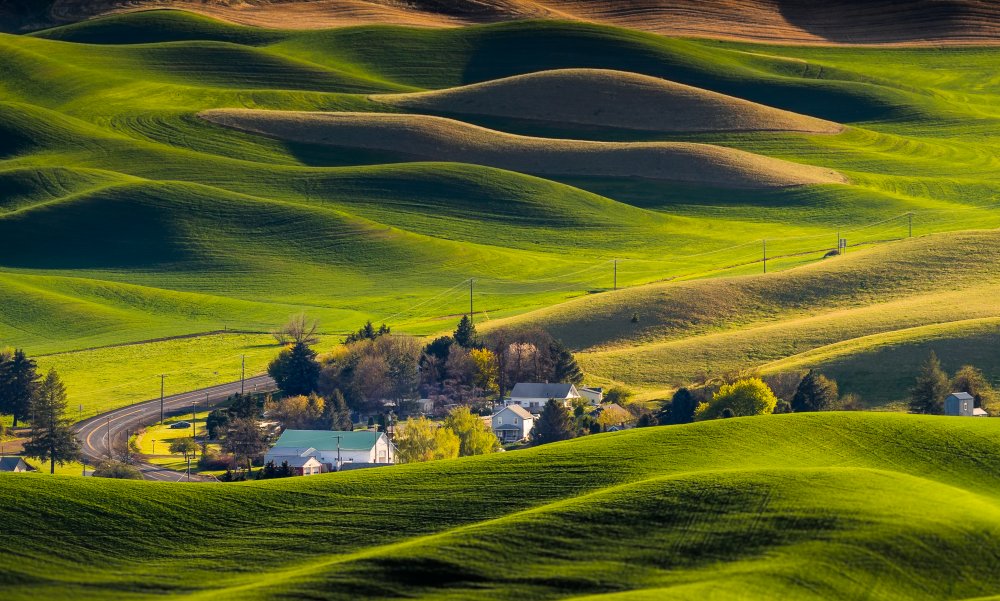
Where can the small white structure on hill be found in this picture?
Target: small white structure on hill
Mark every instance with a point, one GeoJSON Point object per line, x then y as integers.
{"type": "Point", "coordinates": [962, 404]}
{"type": "Point", "coordinates": [533, 396]}
{"type": "Point", "coordinates": [592, 394]}
{"type": "Point", "coordinates": [513, 423]}
{"type": "Point", "coordinates": [332, 449]}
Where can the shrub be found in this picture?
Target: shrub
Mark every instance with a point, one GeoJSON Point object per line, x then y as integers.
{"type": "Point", "coordinates": [748, 396]}
{"type": "Point", "coordinates": [116, 469]}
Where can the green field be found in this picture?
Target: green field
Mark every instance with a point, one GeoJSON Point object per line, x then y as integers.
{"type": "Point", "coordinates": [128, 218]}
{"type": "Point", "coordinates": [811, 506]}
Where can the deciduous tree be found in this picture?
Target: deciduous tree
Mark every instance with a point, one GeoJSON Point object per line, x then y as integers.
{"type": "Point", "coordinates": [474, 435]}
{"type": "Point", "coordinates": [744, 397]}
{"type": "Point", "coordinates": [245, 440]}
{"type": "Point", "coordinates": [816, 392]}
{"type": "Point", "coordinates": [970, 379]}
{"type": "Point", "coordinates": [300, 329]}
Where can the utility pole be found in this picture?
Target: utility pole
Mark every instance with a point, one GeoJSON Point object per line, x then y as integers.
{"type": "Point", "coordinates": [616, 274]}
{"type": "Point", "coordinates": [243, 372]}
{"type": "Point", "coordinates": [765, 255]}
{"type": "Point", "coordinates": [338, 454]}
{"type": "Point", "coordinates": [472, 312]}
{"type": "Point", "coordinates": [162, 378]}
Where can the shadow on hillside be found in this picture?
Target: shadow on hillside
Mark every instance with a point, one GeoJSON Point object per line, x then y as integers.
{"type": "Point", "coordinates": [883, 21]}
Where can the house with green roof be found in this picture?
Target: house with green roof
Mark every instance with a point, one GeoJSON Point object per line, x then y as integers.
{"type": "Point", "coordinates": [335, 450]}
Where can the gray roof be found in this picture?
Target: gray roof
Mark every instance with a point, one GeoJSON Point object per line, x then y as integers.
{"type": "Point", "coordinates": [518, 411]}
{"type": "Point", "coordinates": [962, 396]}
{"type": "Point", "coordinates": [298, 461]}
{"type": "Point", "coordinates": [9, 464]}
{"type": "Point", "coordinates": [526, 390]}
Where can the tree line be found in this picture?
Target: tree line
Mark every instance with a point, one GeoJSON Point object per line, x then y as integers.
{"type": "Point", "coordinates": [373, 365]}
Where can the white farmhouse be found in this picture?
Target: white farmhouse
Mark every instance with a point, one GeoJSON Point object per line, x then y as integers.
{"type": "Point", "coordinates": [512, 423]}
{"type": "Point", "coordinates": [533, 396]}
{"type": "Point", "coordinates": [333, 449]}
{"type": "Point", "coordinates": [962, 404]}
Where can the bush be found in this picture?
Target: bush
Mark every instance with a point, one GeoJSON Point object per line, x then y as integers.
{"type": "Point", "coordinates": [116, 469]}
{"type": "Point", "coordinates": [748, 396]}
{"type": "Point", "coordinates": [211, 460]}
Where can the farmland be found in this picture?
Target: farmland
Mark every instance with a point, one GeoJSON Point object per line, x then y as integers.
{"type": "Point", "coordinates": [904, 506]}
{"type": "Point", "coordinates": [161, 223]}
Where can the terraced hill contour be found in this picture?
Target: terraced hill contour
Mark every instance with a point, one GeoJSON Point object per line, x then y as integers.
{"type": "Point", "coordinates": [605, 98]}
{"type": "Point", "coordinates": [429, 138]}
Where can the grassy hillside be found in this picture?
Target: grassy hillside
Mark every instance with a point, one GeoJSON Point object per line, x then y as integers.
{"type": "Point", "coordinates": [868, 318]}
{"type": "Point", "coordinates": [903, 506]}
{"type": "Point", "coordinates": [129, 218]}
{"type": "Point", "coordinates": [808, 21]}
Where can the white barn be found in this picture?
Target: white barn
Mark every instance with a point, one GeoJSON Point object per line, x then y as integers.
{"type": "Point", "coordinates": [513, 423]}
{"type": "Point", "coordinates": [334, 449]}
{"type": "Point", "coordinates": [533, 396]}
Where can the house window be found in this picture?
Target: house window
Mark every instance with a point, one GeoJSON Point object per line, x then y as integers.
{"type": "Point", "coordinates": [515, 421]}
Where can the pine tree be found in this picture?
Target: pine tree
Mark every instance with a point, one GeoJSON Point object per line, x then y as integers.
{"type": "Point", "coordinates": [927, 395]}
{"type": "Point", "coordinates": [815, 393]}
{"type": "Point", "coordinates": [553, 425]}
{"type": "Point", "coordinates": [564, 368]}
{"type": "Point", "coordinates": [681, 408]}
{"type": "Point", "coordinates": [465, 334]}
{"type": "Point", "coordinates": [295, 370]}
{"type": "Point", "coordinates": [51, 437]}
{"type": "Point", "coordinates": [336, 413]}
{"type": "Point", "coordinates": [18, 382]}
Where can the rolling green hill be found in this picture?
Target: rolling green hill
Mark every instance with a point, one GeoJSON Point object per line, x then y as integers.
{"type": "Point", "coordinates": [129, 218]}
{"type": "Point", "coordinates": [846, 506]}
{"type": "Point", "coordinates": [868, 318]}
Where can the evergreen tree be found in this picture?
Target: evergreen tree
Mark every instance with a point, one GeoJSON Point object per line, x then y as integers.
{"type": "Point", "coordinates": [244, 405]}
{"type": "Point", "coordinates": [553, 425]}
{"type": "Point", "coordinates": [18, 382]}
{"type": "Point", "coordinates": [295, 370]}
{"type": "Point", "coordinates": [816, 392]}
{"type": "Point", "coordinates": [367, 332]}
{"type": "Point", "coordinates": [564, 367]}
{"type": "Point", "coordinates": [51, 437]}
{"type": "Point", "coordinates": [927, 395]}
{"type": "Point", "coordinates": [337, 415]}
{"type": "Point", "coordinates": [680, 409]}
{"type": "Point", "coordinates": [465, 334]}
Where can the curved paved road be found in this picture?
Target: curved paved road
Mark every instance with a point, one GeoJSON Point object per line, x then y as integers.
{"type": "Point", "coordinates": [93, 433]}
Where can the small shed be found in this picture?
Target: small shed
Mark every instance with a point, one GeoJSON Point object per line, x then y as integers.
{"type": "Point", "coordinates": [13, 464]}
{"type": "Point", "coordinates": [962, 404]}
